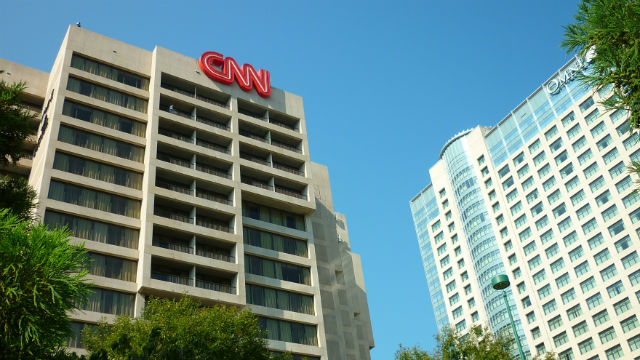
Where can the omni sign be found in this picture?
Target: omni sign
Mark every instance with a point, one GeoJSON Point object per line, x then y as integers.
{"type": "Point", "coordinates": [226, 70]}
{"type": "Point", "coordinates": [555, 85]}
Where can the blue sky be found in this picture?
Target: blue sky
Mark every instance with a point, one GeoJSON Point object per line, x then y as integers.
{"type": "Point", "coordinates": [385, 84]}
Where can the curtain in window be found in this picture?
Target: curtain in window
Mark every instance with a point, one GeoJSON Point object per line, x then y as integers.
{"type": "Point", "coordinates": [270, 298]}
{"type": "Point", "coordinates": [103, 202]}
{"type": "Point", "coordinates": [285, 331]}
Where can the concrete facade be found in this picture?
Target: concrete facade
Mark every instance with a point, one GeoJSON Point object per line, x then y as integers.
{"type": "Point", "coordinates": [545, 198]}
{"type": "Point", "coordinates": [178, 184]}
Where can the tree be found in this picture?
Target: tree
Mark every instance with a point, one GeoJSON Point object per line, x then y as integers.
{"type": "Point", "coordinates": [179, 329]}
{"type": "Point", "coordinates": [41, 277]}
{"type": "Point", "coordinates": [612, 29]}
{"type": "Point", "coordinates": [15, 123]}
{"type": "Point", "coordinates": [478, 344]}
{"type": "Point", "coordinates": [17, 196]}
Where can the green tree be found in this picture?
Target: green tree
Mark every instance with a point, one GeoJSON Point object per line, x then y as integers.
{"type": "Point", "coordinates": [478, 344]}
{"type": "Point", "coordinates": [15, 123]}
{"type": "Point", "coordinates": [179, 329]}
{"type": "Point", "coordinates": [17, 196]}
{"type": "Point", "coordinates": [41, 277]}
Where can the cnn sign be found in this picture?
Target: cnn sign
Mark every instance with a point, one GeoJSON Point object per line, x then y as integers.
{"type": "Point", "coordinates": [226, 70]}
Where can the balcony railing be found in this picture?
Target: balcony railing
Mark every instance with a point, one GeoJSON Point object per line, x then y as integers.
{"type": "Point", "coordinates": [175, 135]}
{"type": "Point", "coordinates": [213, 171]}
{"type": "Point", "coordinates": [251, 114]}
{"type": "Point", "coordinates": [257, 183]}
{"type": "Point", "coordinates": [216, 286]}
{"type": "Point", "coordinates": [213, 253]}
{"type": "Point", "coordinates": [212, 224]}
{"type": "Point", "coordinates": [289, 192]}
{"type": "Point", "coordinates": [288, 169]}
{"type": "Point", "coordinates": [193, 95]}
{"type": "Point", "coordinates": [212, 123]}
{"type": "Point", "coordinates": [173, 215]}
{"type": "Point", "coordinates": [212, 146]}
{"type": "Point", "coordinates": [281, 124]}
{"type": "Point", "coordinates": [286, 146]}
{"type": "Point", "coordinates": [213, 197]}
{"type": "Point", "coordinates": [174, 187]}
{"type": "Point", "coordinates": [171, 244]}
{"type": "Point", "coordinates": [181, 279]}
{"type": "Point", "coordinates": [253, 136]}
{"type": "Point", "coordinates": [254, 158]}
{"type": "Point", "coordinates": [174, 160]}
{"type": "Point", "coordinates": [212, 101]}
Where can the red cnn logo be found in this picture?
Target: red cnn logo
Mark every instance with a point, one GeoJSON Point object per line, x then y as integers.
{"type": "Point", "coordinates": [225, 70]}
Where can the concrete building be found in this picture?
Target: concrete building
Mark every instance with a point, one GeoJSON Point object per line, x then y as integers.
{"type": "Point", "coordinates": [545, 198]}
{"type": "Point", "coordinates": [178, 184]}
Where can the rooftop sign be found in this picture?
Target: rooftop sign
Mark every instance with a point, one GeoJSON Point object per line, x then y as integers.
{"type": "Point", "coordinates": [555, 85]}
{"type": "Point", "coordinates": [226, 70]}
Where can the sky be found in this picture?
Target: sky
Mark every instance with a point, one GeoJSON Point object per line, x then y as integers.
{"type": "Point", "coordinates": [385, 84]}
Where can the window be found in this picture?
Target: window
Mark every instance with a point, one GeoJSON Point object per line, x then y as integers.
{"type": "Point", "coordinates": [571, 133]}
{"type": "Point", "coordinates": [535, 332]}
{"type": "Point", "coordinates": [451, 286]}
{"type": "Point", "coordinates": [555, 196]}
{"type": "Point", "coordinates": [549, 307]}
{"type": "Point", "coordinates": [288, 331]}
{"type": "Point", "coordinates": [634, 343]}
{"type": "Point", "coordinates": [109, 302]}
{"type": "Point", "coordinates": [589, 226]}
{"type": "Point", "coordinates": [109, 72]}
{"type": "Point", "coordinates": [544, 291]}
{"type": "Point", "coordinates": [504, 171]}
{"type": "Point", "coordinates": [461, 325]}
{"type": "Point", "coordinates": [631, 141]}
{"type": "Point", "coordinates": [630, 199]}
{"type": "Point", "coordinates": [445, 204]}
{"type": "Point", "coordinates": [634, 279]}
{"type": "Point", "coordinates": [100, 143]}
{"type": "Point", "coordinates": [586, 104]}
{"type": "Point", "coordinates": [581, 269]}
{"type": "Point", "coordinates": [576, 253]}
{"type": "Point", "coordinates": [557, 265]}
{"type": "Point", "coordinates": [564, 224]}
{"type": "Point", "coordinates": [577, 198]}
{"type": "Point", "coordinates": [622, 306]}
{"type": "Point", "coordinates": [556, 145]}
{"type": "Point", "coordinates": [572, 184]}
{"type": "Point", "coordinates": [598, 129]}
{"type": "Point", "coordinates": [618, 115]}
{"type": "Point", "coordinates": [630, 260]}
{"type": "Point", "coordinates": [458, 251]}
{"type": "Point", "coordinates": [512, 195]}
{"type": "Point", "coordinates": [93, 230]}
{"type": "Point", "coordinates": [629, 324]}
{"type": "Point", "coordinates": [579, 144]}
{"type": "Point", "coordinates": [592, 117]}
{"type": "Point", "coordinates": [532, 196]}
{"type": "Point", "coordinates": [555, 323]}
{"type": "Point", "coordinates": [492, 195]}
{"type": "Point", "coordinates": [109, 120]}
{"type": "Point", "coordinates": [574, 312]}
{"type": "Point", "coordinates": [551, 182]}
{"type": "Point", "coordinates": [439, 237]}
{"type": "Point", "coordinates": [525, 234]}
{"type": "Point", "coordinates": [623, 244]}
{"type": "Point", "coordinates": [536, 209]}
{"type": "Point", "coordinates": [527, 183]}
{"type": "Point", "coordinates": [594, 301]}
{"type": "Point", "coordinates": [617, 228]}
{"type": "Point", "coordinates": [607, 335]}
{"type": "Point", "coordinates": [94, 199]}
{"type": "Point", "coordinates": [544, 171]}
{"type": "Point", "coordinates": [634, 216]}
{"type": "Point", "coordinates": [597, 184]}
{"type": "Point", "coordinates": [475, 317]}
{"type": "Point", "coordinates": [580, 328]}
{"type": "Point", "coordinates": [617, 170]}
{"type": "Point", "coordinates": [522, 288]}
{"type": "Point", "coordinates": [516, 208]}
{"type": "Point", "coordinates": [595, 241]}
{"type": "Point", "coordinates": [504, 232]}
{"type": "Point", "coordinates": [539, 276]}
{"type": "Point", "coordinates": [602, 256]}
{"type": "Point", "coordinates": [454, 299]}
{"type": "Point", "coordinates": [529, 248]}
{"type": "Point", "coordinates": [611, 155]}
{"type": "Point", "coordinates": [277, 270]}
{"type": "Point", "coordinates": [562, 281]}
{"type": "Point", "coordinates": [561, 158]}
{"type": "Point", "coordinates": [507, 183]}
{"type": "Point", "coordinates": [610, 213]}
{"type": "Point", "coordinates": [568, 296]}
{"type": "Point", "coordinates": [535, 262]}
{"type": "Point", "coordinates": [481, 160]}
{"type": "Point", "coordinates": [614, 353]}
{"type": "Point", "coordinates": [279, 299]}
{"type": "Point", "coordinates": [523, 171]}
{"type": "Point", "coordinates": [552, 251]}
{"type": "Point", "coordinates": [587, 285]}
{"type": "Point", "coordinates": [616, 289]}
{"type": "Point", "coordinates": [495, 207]}
{"type": "Point", "coordinates": [566, 171]}
{"type": "Point", "coordinates": [538, 159]}
{"type": "Point", "coordinates": [464, 276]}
{"type": "Point", "coordinates": [531, 317]}
{"type": "Point", "coordinates": [603, 198]}
{"type": "Point", "coordinates": [585, 156]}
{"type": "Point", "coordinates": [518, 159]}
{"type": "Point", "coordinates": [560, 339]}
{"type": "Point", "coordinates": [526, 302]}
{"type": "Point", "coordinates": [591, 170]}
{"type": "Point", "coordinates": [452, 227]}
{"type": "Point", "coordinates": [586, 346]}
{"type": "Point", "coordinates": [444, 261]}
{"type": "Point", "coordinates": [548, 235]}
{"type": "Point", "coordinates": [517, 273]}
{"type": "Point", "coordinates": [104, 94]}
{"type": "Point", "coordinates": [534, 147]}
{"type": "Point", "coordinates": [447, 274]}
{"type": "Point", "coordinates": [583, 211]}
{"type": "Point", "coordinates": [471, 303]}
{"type": "Point", "coordinates": [570, 238]}
{"type": "Point", "coordinates": [601, 317]}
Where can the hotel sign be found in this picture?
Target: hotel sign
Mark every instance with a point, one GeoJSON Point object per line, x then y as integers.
{"type": "Point", "coordinates": [226, 70]}
{"type": "Point", "coordinates": [569, 74]}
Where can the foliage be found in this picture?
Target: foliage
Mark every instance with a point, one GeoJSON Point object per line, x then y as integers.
{"type": "Point", "coordinates": [17, 196]}
{"type": "Point", "coordinates": [41, 277]}
{"type": "Point", "coordinates": [179, 329]}
{"type": "Point", "coordinates": [15, 124]}
{"type": "Point", "coordinates": [478, 344]}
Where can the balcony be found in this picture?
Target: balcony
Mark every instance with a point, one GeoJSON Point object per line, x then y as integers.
{"type": "Point", "coordinates": [214, 253]}
{"type": "Point", "coordinates": [173, 186]}
{"type": "Point", "coordinates": [212, 146]}
{"type": "Point", "coordinates": [286, 146]}
{"type": "Point", "coordinates": [173, 214]}
{"type": "Point", "coordinates": [254, 136]}
{"type": "Point", "coordinates": [172, 244]}
{"type": "Point", "coordinates": [175, 135]}
{"type": "Point", "coordinates": [215, 285]}
{"type": "Point", "coordinates": [290, 192]}
{"type": "Point", "coordinates": [164, 274]}
{"type": "Point", "coordinates": [253, 158]}
{"type": "Point", "coordinates": [213, 196]}
{"type": "Point", "coordinates": [193, 91]}
{"type": "Point", "coordinates": [287, 168]}
{"type": "Point", "coordinates": [212, 224]}
{"type": "Point", "coordinates": [174, 160]}
{"type": "Point", "coordinates": [212, 123]}
{"type": "Point", "coordinates": [256, 182]}
{"type": "Point", "coordinates": [213, 170]}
